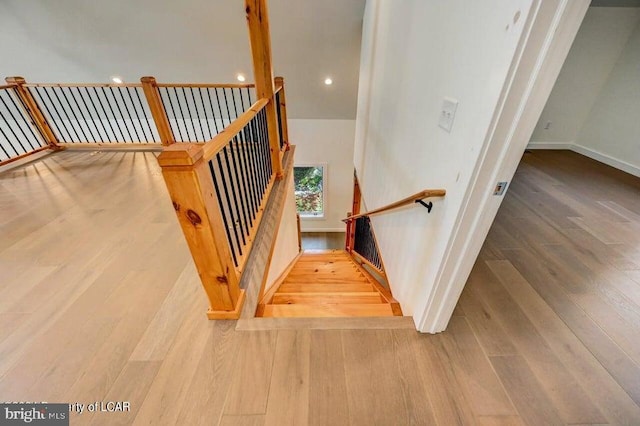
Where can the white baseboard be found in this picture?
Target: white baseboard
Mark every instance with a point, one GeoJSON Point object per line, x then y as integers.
{"type": "Point", "coordinates": [323, 229]}
{"type": "Point", "coordinates": [588, 152]}
{"type": "Point", "coordinates": [549, 145]}
{"type": "Point", "coordinates": [606, 159]}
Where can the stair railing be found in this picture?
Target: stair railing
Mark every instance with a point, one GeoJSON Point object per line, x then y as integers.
{"type": "Point", "coordinates": [219, 191]}
{"type": "Point", "coordinates": [360, 238]}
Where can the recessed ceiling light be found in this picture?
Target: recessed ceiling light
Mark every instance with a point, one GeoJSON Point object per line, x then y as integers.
{"type": "Point", "coordinates": [328, 81]}
{"type": "Point", "coordinates": [116, 79]}
{"type": "Point", "coordinates": [240, 77]}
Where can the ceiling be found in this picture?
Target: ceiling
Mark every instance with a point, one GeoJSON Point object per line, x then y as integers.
{"type": "Point", "coordinates": [188, 41]}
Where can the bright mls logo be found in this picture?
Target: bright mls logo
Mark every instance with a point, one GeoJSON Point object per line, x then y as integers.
{"type": "Point", "coordinates": [34, 414]}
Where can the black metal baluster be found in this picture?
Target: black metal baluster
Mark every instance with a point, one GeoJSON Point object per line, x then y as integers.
{"type": "Point", "coordinates": [215, 123]}
{"type": "Point", "coordinates": [175, 117]}
{"type": "Point", "coordinates": [226, 103]}
{"type": "Point", "coordinates": [253, 165]}
{"type": "Point", "coordinates": [242, 185]}
{"type": "Point", "coordinates": [124, 120]}
{"type": "Point", "coordinates": [234, 191]}
{"type": "Point", "coordinates": [220, 108]}
{"type": "Point", "coordinates": [30, 123]}
{"type": "Point", "coordinates": [16, 138]}
{"type": "Point", "coordinates": [241, 145]}
{"type": "Point", "coordinates": [190, 116]}
{"type": "Point", "coordinates": [224, 214]}
{"type": "Point", "coordinates": [69, 138]}
{"type": "Point", "coordinates": [64, 109]}
{"type": "Point", "coordinates": [75, 117]}
{"type": "Point", "coordinates": [88, 119]}
{"type": "Point", "coordinates": [195, 105]}
{"type": "Point", "coordinates": [138, 120]}
{"type": "Point", "coordinates": [145, 115]}
{"type": "Point", "coordinates": [206, 118]}
{"type": "Point", "coordinates": [124, 102]}
{"type": "Point", "coordinates": [245, 143]}
{"type": "Point", "coordinates": [266, 152]}
{"type": "Point", "coordinates": [229, 207]}
{"type": "Point", "coordinates": [87, 137]}
{"type": "Point", "coordinates": [184, 120]}
{"type": "Point", "coordinates": [15, 120]}
{"type": "Point", "coordinates": [106, 116]}
{"type": "Point", "coordinates": [113, 114]}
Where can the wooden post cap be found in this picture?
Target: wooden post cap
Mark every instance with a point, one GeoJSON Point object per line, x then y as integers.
{"type": "Point", "coordinates": [15, 80]}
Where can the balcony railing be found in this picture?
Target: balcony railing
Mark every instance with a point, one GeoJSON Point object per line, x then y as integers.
{"type": "Point", "coordinates": [146, 115]}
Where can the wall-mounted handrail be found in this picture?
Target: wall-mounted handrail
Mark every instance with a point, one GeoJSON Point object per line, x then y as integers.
{"type": "Point", "coordinates": [427, 193]}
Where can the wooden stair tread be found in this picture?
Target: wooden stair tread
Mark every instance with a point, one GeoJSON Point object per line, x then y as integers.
{"type": "Point", "coordinates": [328, 283]}
{"type": "Point", "coordinates": [328, 310]}
{"type": "Point", "coordinates": [327, 298]}
{"type": "Point", "coordinates": [287, 287]}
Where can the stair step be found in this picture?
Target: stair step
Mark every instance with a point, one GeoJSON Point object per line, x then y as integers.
{"type": "Point", "coordinates": [327, 298]}
{"type": "Point", "coordinates": [328, 310]}
{"type": "Point", "coordinates": [293, 287]}
{"type": "Point", "coordinates": [326, 279]}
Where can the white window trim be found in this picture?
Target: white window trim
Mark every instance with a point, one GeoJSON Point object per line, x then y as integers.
{"type": "Point", "coordinates": [324, 191]}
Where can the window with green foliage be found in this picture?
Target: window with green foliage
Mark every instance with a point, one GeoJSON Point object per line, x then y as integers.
{"type": "Point", "coordinates": [309, 185]}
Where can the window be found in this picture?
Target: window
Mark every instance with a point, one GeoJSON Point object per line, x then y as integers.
{"type": "Point", "coordinates": [309, 184]}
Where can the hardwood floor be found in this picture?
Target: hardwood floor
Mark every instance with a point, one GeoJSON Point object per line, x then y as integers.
{"type": "Point", "coordinates": [100, 301]}
{"type": "Point", "coordinates": [323, 240]}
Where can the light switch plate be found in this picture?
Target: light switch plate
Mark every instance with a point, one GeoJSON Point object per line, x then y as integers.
{"type": "Point", "coordinates": [447, 113]}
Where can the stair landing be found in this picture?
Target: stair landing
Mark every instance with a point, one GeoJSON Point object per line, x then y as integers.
{"type": "Point", "coordinates": [328, 283]}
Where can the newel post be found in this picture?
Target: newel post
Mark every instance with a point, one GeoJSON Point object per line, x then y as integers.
{"type": "Point", "coordinates": [33, 110]}
{"type": "Point", "coordinates": [258, 22]}
{"type": "Point", "coordinates": [283, 112]}
{"type": "Point", "coordinates": [190, 186]}
{"type": "Point", "coordinates": [151, 93]}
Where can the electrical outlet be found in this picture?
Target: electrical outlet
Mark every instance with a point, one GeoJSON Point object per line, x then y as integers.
{"type": "Point", "coordinates": [500, 188]}
{"type": "Point", "coordinates": [447, 114]}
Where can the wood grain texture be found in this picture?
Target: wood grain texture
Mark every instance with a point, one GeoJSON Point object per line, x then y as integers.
{"type": "Point", "coordinates": [100, 300]}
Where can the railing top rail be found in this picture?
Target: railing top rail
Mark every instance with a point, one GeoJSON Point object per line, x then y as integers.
{"type": "Point", "coordinates": [427, 193]}
{"type": "Point", "coordinates": [7, 86]}
{"type": "Point", "coordinates": [115, 85]}
{"type": "Point", "coordinates": [219, 141]}
{"type": "Point", "coordinates": [209, 85]}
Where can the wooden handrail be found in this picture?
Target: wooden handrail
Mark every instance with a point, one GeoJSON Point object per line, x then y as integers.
{"type": "Point", "coordinates": [82, 85]}
{"type": "Point", "coordinates": [220, 140]}
{"type": "Point", "coordinates": [427, 193]}
{"type": "Point", "coordinates": [210, 85]}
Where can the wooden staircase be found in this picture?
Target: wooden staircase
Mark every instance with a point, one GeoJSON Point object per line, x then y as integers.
{"type": "Point", "coordinates": [327, 283]}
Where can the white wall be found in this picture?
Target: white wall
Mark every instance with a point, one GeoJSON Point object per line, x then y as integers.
{"type": "Point", "coordinates": [407, 67]}
{"type": "Point", "coordinates": [327, 142]}
{"type": "Point", "coordinates": [286, 245]}
{"type": "Point", "coordinates": [612, 130]}
{"type": "Point", "coordinates": [600, 41]}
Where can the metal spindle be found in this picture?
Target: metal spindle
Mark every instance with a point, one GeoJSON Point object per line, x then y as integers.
{"type": "Point", "coordinates": [229, 207]}
{"type": "Point", "coordinates": [206, 119]}
{"type": "Point", "coordinates": [197, 113]}
{"type": "Point", "coordinates": [234, 191]}
{"type": "Point", "coordinates": [16, 122]}
{"type": "Point", "coordinates": [224, 213]}
{"type": "Point", "coordinates": [106, 115]}
{"type": "Point", "coordinates": [85, 119]}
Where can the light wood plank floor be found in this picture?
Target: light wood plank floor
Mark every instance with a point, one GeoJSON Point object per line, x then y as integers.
{"type": "Point", "coordinates": [100, 301]}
